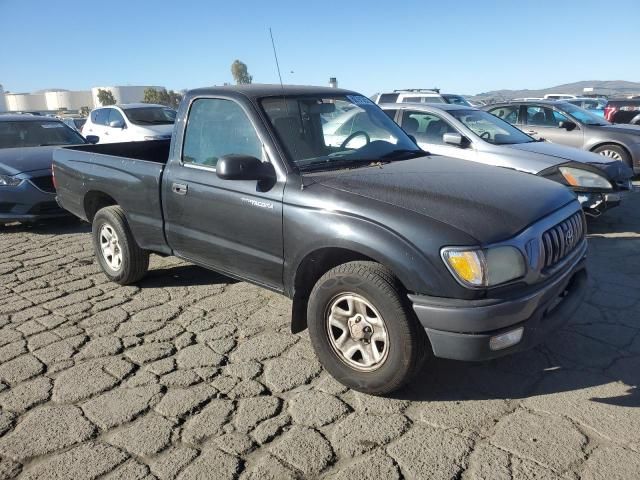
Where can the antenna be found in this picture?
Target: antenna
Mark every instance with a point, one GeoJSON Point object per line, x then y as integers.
{"type": "Point", "coordinates": [275, 54]}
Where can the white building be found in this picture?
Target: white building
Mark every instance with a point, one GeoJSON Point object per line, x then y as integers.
{"type": "Point", "coordinates": [123, 94]}
{"type": "Point", "coordinates": [25, 102]}
{"type": "Point", "coordinates": [68, 100]}
{"type": "Point", "coordinates": [55, 100]}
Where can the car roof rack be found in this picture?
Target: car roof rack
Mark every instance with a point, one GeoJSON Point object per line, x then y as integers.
{"type": "Point", "coordinates": [418, 90]}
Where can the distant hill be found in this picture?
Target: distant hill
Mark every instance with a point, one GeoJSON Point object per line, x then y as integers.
{"type": "Point", "coordinates": [611, 88]}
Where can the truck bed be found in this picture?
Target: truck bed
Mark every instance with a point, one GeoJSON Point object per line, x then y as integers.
{"type": "Point", "coordinates": [129, 174]}
{"type": "Point", "coordinates": [152, 151]}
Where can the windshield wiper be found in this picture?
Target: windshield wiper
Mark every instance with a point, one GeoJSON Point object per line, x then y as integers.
{"type": "Point", "coordinates": [403, 152]}
{"type": "Point", "coordinates": [331, 164]}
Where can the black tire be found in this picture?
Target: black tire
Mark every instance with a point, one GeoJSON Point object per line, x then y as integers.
{"type": "Point", "coordinates": [134, 260]}
{"type": "Point", "coordinates": [407, 342]}
{"type": "Point", "coordinates": [620, 151]}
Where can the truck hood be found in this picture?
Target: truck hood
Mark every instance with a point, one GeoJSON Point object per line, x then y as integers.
{"type": "Point", "coordinates": [21, 160]}
{"type": "Point", "coordinates": [491, 204]}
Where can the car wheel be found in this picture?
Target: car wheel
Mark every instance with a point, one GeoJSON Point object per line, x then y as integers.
{"type": "Point", "coordinates": [616, 152]}
{"type": "Point", "coordinates": [120, 257]}
{"type": "Point", "coordinates": [363, 330]}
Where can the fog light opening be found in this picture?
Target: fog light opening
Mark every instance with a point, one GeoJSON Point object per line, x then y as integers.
{"type": "Point", "coordinates": [506, 340]}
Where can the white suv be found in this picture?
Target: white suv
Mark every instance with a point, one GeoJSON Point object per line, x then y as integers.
{"type": "Point", "coordinates": [130, 122]}
{"type": "Point", "coordinates": [420, 95]}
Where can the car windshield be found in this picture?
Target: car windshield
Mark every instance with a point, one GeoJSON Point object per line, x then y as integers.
{"type": "Point", "coordinates": [150, 115]}
{"type": "Point", "coordinates": [582, 115]}
{"type": "Point", "coordinates": [490, 128]}
{"type": "Point", "coordinates": [324, 132]}
{"type": "Point", "coordinates": [37, 133]}
{"type": "Point", "coordinates": [456, 99]}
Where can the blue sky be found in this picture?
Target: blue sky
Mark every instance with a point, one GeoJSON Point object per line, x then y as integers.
{"type": "Point", "coordinates": [462, 46]}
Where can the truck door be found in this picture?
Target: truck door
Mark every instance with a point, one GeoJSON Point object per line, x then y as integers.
{"type": "Point", "coordinates": [232, 226]}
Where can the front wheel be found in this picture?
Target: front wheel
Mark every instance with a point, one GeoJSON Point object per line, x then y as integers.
{"type": "Point", "coordinates": [120, 257]}
{"type": "Point", "coordinates": [615, 152]}
{"type": "Point", "coordinates": [362, 329]}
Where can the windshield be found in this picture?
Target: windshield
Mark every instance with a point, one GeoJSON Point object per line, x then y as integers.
{"type": "Point", "coordinates": [321, 132]}
{"type": "Point", "coordinates": [456, 99]}
{"type": "Point", "coordinates": [37, 133]}
{"type": "Point", "coordinates": [490, 128]}
{"type": "Point", "coordinates": [583, 116]}
{"type": "Point", "coordinates": [150, 115]}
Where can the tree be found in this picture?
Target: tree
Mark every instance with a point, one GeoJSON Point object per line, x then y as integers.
{"type": "Point", "coordinates": [240, 73]}
{"type": "Point", "coordinates": [84, 111]}
{"type": "Point", "coordinates": [163, 97]}
{"type": "Point", "coordinates": [105, 97]}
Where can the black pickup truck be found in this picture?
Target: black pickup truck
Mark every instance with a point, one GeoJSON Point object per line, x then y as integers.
{"type": "Point", "coordinates": [389, 254]}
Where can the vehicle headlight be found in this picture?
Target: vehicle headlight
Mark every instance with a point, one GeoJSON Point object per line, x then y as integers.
{"type": "Point", "coordinates": [576, 177]}
{"type": "Point", "coordinates": [484, 267]}
{"type": "Point", "coordinates": [8, 181]}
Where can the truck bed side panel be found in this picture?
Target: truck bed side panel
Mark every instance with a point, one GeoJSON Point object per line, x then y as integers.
{"type": "Point", "coordinates": [133, 184]}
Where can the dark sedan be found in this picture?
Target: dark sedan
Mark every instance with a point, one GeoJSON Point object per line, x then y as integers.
{"type": "Point", "coordinates": [27, 193]}
{"type": "Point", "coordinates": [564, 123]}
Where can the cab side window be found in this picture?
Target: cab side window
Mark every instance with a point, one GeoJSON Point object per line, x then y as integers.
{"type": "Point", "coordinates": [216, 128]}
{"type": "Point", "coordinates": [425, 127]}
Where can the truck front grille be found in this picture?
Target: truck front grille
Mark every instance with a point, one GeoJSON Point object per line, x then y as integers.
{"type": "Point", "coordinates": [560, 240]}
{"type": "Point", "coordinates": [44, 183]}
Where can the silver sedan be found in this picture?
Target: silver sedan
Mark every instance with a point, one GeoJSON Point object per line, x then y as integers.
{"type": "Point", "coordinates": [472, 134]}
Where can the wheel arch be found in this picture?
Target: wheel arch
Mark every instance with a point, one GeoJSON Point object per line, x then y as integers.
{"type": "Point", "coordinates": [95, 200]}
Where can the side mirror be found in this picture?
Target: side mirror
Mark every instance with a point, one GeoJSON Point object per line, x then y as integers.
{"type": "Point", "coordinates": [92, 139]}
{"type": "Point", "coordinates": [413, 139]}
{"type": "Point", "coordinates": [116, 124]}
{"type": "Point", "coordinates": [568, 126]}
{"type": "Point", "coordinates": [455, 139]}
{"type": "Point", "coordinates": [241, 167]}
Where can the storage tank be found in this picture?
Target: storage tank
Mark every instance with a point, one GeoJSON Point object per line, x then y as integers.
{"type": "Point", "coordinates": [3, 104]}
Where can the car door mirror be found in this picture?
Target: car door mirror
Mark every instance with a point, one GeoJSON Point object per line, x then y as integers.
{"type": "Point", "coordinates": [116, 124]}
{"type": "Point", "coordinates": [413, 139]}
{"type": "Point", "coordinates": [92, 139]}
{"type": "Point", "coordinates": [455, 139]}
{"type": "Point", "coordinates": [241, 167]}
{"type": "Point", "coordinates": [567, 125]}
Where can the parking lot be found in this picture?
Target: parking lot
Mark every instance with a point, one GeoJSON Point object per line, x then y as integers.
{"type": "Point", "coordinates": [190, 374]}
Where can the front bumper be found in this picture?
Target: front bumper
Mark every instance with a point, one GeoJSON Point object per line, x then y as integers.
{"type": "Point", "coordinates": [27, 203]}
{"type": "Point", "coordinates": [463, 329]}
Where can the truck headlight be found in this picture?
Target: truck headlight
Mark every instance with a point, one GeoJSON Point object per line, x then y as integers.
{"type": "Point", "coordinates": [576, 177]}
{"type": "Point", "coordinates": [8, 181]}
{"type": "Point", "coordinates": [484, 267]}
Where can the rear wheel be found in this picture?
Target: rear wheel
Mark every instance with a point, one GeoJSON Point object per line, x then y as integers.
{"type": "Point", "coordinates": [120, 257]}
{"type": "Point", "coordinates": [615, 152]}
{"type": "Point", "coordinates": [363, 330]}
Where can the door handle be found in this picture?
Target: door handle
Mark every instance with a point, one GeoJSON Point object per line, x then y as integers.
{"type": "Point", "coordinates": [179, 188]}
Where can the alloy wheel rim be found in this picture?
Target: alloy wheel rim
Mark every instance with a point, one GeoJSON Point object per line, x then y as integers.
{"type": "Point", "coordinates": [611, 154]}
{"type": "Point", "coordinates": [357, 332]}
{"type": "Point", "coordinates": [110, 247]}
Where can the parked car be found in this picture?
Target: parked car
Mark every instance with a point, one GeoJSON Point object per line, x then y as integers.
{"type": "Point", "coordinates": [472, 134]}
{"type": "Point", "coordinates": [27, 142]}
{"type": "Point", "coordinates": [389, 255]}
{"type": "Point", "coordinates": [74, 122]}
{"type": "Point", "coordinates": [559, 96]}
{"type": "Point", "coordinates": [421, 95]}
{"type": "Point", "coordinates": [566, 124]}
{"type": "Point", "coordinates": [594, 105]}
{"type": "Point", "coordinates": [623, 110]}
{"type": "Point", "coordinates": [130, 122]}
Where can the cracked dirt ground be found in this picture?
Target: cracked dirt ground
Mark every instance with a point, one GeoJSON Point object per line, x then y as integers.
{"type": "Point", "coordinates": [190, 375]}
